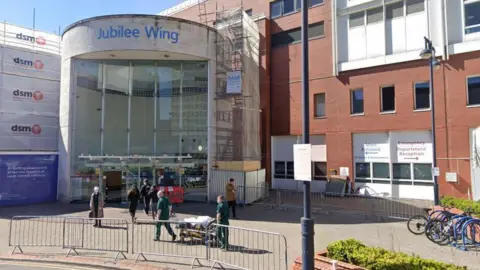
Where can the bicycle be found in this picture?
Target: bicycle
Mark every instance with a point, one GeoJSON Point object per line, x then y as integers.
{"type": "Point", "coordinates": [417, 224]}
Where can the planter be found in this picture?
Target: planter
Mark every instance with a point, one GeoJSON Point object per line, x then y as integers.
{"type": "Point", "coordinates": [322, 262]}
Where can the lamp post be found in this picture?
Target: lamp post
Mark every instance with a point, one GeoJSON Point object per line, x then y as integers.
{"type": "Point", "coordinates": [306, 221]}
{"type": "Point", "coordinates": [429, 54]}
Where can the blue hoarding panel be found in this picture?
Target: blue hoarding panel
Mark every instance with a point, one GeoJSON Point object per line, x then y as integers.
{"type": "Point", "coordinates": [27, 179]}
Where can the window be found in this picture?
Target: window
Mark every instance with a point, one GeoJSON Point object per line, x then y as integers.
{"type": "Point", "coordinates": [362, 170]}
{"type": "Point", "coordinates": [472, 17]}
{"type": "Point", "coordinates": [473, 90]}
{"type": "Point", "coordinates": [422, 172]}
{"type": "Point", "coordinates": [249, 12]}
{"type": "Point", "coordinates": [401, 171]}
{"type": "Point", "coordinates": [381, 170]}
{"type": "Point", "coordinates": [319, 171]}
{"type": "Point", "coordinates": [280, 8]}
{"type": "Point", "coordinates": [388, 98]}
{"type": "Point", "coordinates": [293, 36]}
{"type": "Point", "coordinates": [290, 171]}
{"type": "Point", "coordinates": [415, 6]}
{"type": "Point", "coordinates": [320, 105]}
{"type": "Point", "coordinates": [357, 101]}
{"type": "Point", "coordinates": [374, 15]}
{"type": "Point", "coordinates": [422, 96]}
{"type": "Point", "coordinates": [279, 171]}
{"type": "Point", "coordinates": [394, 10]}
{"type": "Point", "coordinates": [356, 19]}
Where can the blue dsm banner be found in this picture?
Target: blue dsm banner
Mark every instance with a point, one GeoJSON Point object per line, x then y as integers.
{"type": "Point", "coordinates": [28, 179]}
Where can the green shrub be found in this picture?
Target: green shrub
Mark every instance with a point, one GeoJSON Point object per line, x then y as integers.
{"type": "Point", "coordinates": [461, 204]}
{"type": "Point", "coordinates": [355, 252]}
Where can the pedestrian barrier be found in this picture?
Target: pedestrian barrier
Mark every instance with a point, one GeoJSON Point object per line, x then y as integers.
{"type": "Point", "coordinates": [247, 248]}
{"type": "Point", "coordinates": [35, 231]}
{"type": "Point", "coordinates": [219, 244]}
{"type": "Point", "coordinates": [260, 195]}
{"type": "Point", "coordinates": [103, 234]}
{"type": "Point", "coordinates": [191, 242]}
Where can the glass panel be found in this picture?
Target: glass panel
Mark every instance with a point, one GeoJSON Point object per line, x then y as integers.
{"type": "Point", "coordinates": [422, 96]}
{"type": "Point", "coordinates": [357, 101]}
{"type": "Point", "coordinates": [288, 6]}
{"type": "Point", "coordinates": [168, 106]}
{"type": "Point", "coordinates": [375, 15]}
{"type": "Point", "coordinates": [472, 14]}
{"type": "Point", "coordinates": [362, 170]}
{"type": "Point", "coordinates": [315, 2]}
{"type": "Point", "coordinates": [415, 6]}
{"type": "Point", "coordinates": [290, 171]}
{"type": "Point", "coordinates": [395, 10]}
{"type": "Point", "coordinates": [194, 104]}
{"type": "Point", "coordinates": [87, 121]}
{"type": "Point", "coordinates": [388, 99]}
{"type": "Point", "coordinates": [422, 172]}
{"type": "Point", "coordinates": [316, 30]}
{"type": "Point", "coordinates": [319, 170]}
{"type": "Point", "coordinates": [357, 19]}
{"type": "Point", "coordinates": [276, 9]}
{"type": "Point", "coordinates": [401, 171]}
{"type": "Point", "coordinates": [473, 91]}
{"type": "Point", "coordinates": [142, 108]}
{"type": "Point", "coordinates": [279, 169]}
{"type": "Point", "coordinates": [320, 105]}
{"type": "Point", "coordinates": [381, 170]}
{"type": "Point", "coordinates": [116, 107]}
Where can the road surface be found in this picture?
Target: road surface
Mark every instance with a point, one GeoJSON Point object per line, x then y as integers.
{"type": "Point", "coordinates": [39, 266]}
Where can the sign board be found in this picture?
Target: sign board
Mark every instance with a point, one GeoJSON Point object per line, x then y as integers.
{"type": "Point", "coordinates": [451, 177]}
{"type": "Point", "coordinates": [97, 171]}
{"type": "Point", "coordinates": [344, 171]}
{"type": "Point", "coordinates": [414, 151]}
{"type": "Point", "coordinates": [234, 82]}
{"type": "Point", "coordinates": [435, 171]}
{"type": "Point", "coordinates": [302, 162]}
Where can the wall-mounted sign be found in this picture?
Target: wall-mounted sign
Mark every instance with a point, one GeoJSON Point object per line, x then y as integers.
{"type": "Point", "coordinates": [372, 152]}
{"type": "Point", "coordinates": [234, 82]}
{"type": "Point", "coordinates": [344, 171]}
{"type": "Point", "coordinates": [414, 151]}
{"type": "Point", "coordinates": [149, 31]}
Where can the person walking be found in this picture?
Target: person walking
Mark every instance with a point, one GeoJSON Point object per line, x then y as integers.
{"type": "Point", "coordinates": [222, 220]}
{"type": "Point", "coordinates": [153, 197]}
{"type": "Point", "coordinates": [96, 206]}
{"type": "Point", "coordinates": [133, 198]}
{"type": "Point", "coordinates": [146, 200]}
{"type": "Point", "coordinates": [230, 192]}
{"type": "Point", "coordinates": [164, 209]}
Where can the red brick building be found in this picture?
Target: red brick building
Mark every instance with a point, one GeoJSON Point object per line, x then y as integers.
{"type": "Point", "coordinates": [369, 103]}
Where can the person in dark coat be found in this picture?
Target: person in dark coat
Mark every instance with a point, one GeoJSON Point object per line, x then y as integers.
{"type": "Point", "coordinates": [153, 197]}
{"type": "Point", "coordinates": [133, 198]}
{"type": "Point", "coordinates": [146, 200]}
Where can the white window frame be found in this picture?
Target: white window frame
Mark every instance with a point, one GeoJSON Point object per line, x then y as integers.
{"type": "Point", "coordinates": [466, 89]}
{"type": "Point", "coordinates": [465, 27]}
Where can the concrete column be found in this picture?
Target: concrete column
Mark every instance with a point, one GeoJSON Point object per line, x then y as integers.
{"type": "Point", "coordinates": [211, 108]}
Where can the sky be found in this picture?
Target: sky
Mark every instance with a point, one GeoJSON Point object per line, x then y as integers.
{"type": "Point", "coordinates": [50, 14]}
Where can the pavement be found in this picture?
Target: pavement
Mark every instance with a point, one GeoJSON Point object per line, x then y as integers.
{"type": "Point", "coordinates": [252, 248]}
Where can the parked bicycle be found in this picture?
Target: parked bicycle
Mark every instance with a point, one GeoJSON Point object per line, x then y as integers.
{"type": "Point", "coordinates": [417, 224]}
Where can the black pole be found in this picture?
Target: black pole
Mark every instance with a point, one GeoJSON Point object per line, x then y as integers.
{"type": "Point", "coordinates": [306, 221]}
{"type": "Point", "coordinates": [429, 45]}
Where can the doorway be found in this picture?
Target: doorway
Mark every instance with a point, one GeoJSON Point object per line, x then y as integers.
{"type": "Point", "coordinates": [113, 186]}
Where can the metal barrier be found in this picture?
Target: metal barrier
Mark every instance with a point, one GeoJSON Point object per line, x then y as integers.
{"type": "Point", "coordinates": [35, 231]}
{"type": "Point", "coordinates": [105, 234]}
{"type": "Point", "coordinates": [246, 248]}
{"type": "Point", "coordinates": [191, 242]}
{"type": "Point", "coordinates": [355, 204]}
{"type": "Point", "coordinates": [261, 195]}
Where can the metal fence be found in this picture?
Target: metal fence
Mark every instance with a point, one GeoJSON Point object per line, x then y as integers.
{"type": "Point", "coordinates": [290, 200]}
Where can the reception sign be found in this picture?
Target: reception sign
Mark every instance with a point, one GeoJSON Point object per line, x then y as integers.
{"type": "Point", "coordinates": [27, 179]}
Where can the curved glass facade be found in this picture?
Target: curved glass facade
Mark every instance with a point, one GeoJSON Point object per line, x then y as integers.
{"type": "Point", "coordinates": [147, 108]}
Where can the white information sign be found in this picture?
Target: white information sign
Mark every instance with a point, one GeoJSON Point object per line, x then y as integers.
{"type": "Point", "coordinates": [344, 171]}
{"type": "Point", "coordinates": [436, 171]}
{"type": "Point", "coordinates": [302, 162]}
{"type": "Point", "coordinates": [414, 151]}
{"type": "Point", "coordinates": [234, 82]}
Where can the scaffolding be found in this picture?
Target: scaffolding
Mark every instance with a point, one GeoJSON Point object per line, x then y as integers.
{"type": "Point", "coordinates": [237, 129]}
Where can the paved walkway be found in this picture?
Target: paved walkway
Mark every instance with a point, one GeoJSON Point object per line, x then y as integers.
{"type": "Point", "coordinates": [329, 227]}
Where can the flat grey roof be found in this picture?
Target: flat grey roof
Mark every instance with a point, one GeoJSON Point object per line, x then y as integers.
{"type": "Point", "coordinates": [104, 17]}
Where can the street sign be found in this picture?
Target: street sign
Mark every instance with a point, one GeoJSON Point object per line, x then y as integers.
{"type": "Point", "coordinates": [436, 171]}
{"type": "Point", "coordinates": [344, 171]}
{"type": "Point", "coordinates": [302, 162]}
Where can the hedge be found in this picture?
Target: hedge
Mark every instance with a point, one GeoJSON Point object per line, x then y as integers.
{"type": "Point", "coordinates": [355, 252]}
{"type": "Point", "coordinates": [461, 204]}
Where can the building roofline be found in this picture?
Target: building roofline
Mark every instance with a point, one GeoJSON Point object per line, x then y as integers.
{"type": "Point", "coordinates": [181, 7]}
{"type": "Point", "coordinates": [96, 18]}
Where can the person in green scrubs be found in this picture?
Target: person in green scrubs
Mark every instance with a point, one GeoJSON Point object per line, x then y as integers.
{"type": "Point", "coordinates": [223, 213]}
{"type": "Point", "coordinates": [163, 208]}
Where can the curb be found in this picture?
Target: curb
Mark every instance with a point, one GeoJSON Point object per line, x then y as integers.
{"type": "Point", "coordinates": [57, 262]}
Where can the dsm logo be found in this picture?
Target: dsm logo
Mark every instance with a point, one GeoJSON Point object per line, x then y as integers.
{"type": "Point", "coordinates": [37, 64]}
{"type": "Point", "coordinates": [39, 40]}
{"type": "Point", "coordinates": [36, 95]}
{"type": "Point", "coordinates": [26, 129]}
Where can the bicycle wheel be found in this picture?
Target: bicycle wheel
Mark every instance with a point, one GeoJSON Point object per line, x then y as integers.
{"type": "Point", "coordinates": [417, 224]}
{"type": "Point", "coordinates": [434, 231]}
